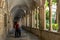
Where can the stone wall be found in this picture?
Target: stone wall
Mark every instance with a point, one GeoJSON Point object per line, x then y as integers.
{"type": "Point", "coordinates": [2, 27]}
{"type": "Point", "coordinates": [44, 34]}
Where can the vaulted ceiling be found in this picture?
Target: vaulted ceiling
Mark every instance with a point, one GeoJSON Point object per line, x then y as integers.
{"type": "Point", "coordinates": [17, 7]}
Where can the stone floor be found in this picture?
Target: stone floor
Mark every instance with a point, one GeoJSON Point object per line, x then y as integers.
{"type": "Point", "coordinates": [24, 36]}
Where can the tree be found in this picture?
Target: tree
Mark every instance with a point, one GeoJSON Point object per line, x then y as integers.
{"type": "Point", "coordinates": [54, 1]}
{"type": "Point", "coordinates": [47, 15]}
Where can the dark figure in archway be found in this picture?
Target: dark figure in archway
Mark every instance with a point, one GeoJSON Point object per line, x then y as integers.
{"type": "Point", "coordinates": [17, 30]}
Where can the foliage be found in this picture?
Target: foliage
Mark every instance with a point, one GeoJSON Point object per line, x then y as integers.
{"type": "Point", "coordinates": [36, 16]}
{"type": "Point", "coordinates": [47, 15]}
{"type": "Point", "coordinates": [47, 26]}
{"type": "Point", "coordinates": [54, 26]}
{"type": "Point", "coordinates": [54, 1]}
{"type": "Point", "coordinates": [46, 3]}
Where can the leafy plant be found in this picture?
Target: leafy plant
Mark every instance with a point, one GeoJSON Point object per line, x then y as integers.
{"type": "Point", "coordinates": [54, 26]}
{"type": "Point", "coordinates": [47, 15]}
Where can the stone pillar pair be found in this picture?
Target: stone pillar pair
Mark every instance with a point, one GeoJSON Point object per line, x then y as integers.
{"type": "Point", "coordinates": [58, 13]}
{"type": "Point", "coordinates": [32, 19]}
{"type": "Point", "coordinates": [42, 18]}
{"type": "Point", "coordinates": [43, 14]}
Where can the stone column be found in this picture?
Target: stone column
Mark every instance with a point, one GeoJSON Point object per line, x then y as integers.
{"type": "Point", "coordinates": [42, 15]}
{"type": "Point", "coordinates": [37, 18]}
{"type": "Point", "coordinates": [21, 20]}
{"type": "Point", "coordinates": [1, 3]}
{"type": "Point", "coordinates": [57, 16]}
{"type": "Point", "coordinates": [50, 15]}
{"type": "Point", "coordinates": [2, 25]}
{"type": "Point", "coordinates": [33, 19]}
{"type": "Point", "coordinates": [30, 19]}
{"type": "Point", "coordinates": [24, 20]}
{"type": "Point", "coordinates": [58, 11]}
{"type": "Point", "coordinates": [27, 20]}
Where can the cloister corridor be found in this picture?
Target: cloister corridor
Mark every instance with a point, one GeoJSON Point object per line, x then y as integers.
{"type": "Point", "coordinates": [37, 19]}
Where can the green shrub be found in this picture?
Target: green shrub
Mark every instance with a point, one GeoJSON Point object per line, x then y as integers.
{"type": "Point", "coordinates": [54, 26]}
{"type": "Point", "coordinates": [47, 26]}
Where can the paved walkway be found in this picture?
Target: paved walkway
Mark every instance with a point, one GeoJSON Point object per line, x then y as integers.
{"type": "Point", "coordinates": [24, 36]}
